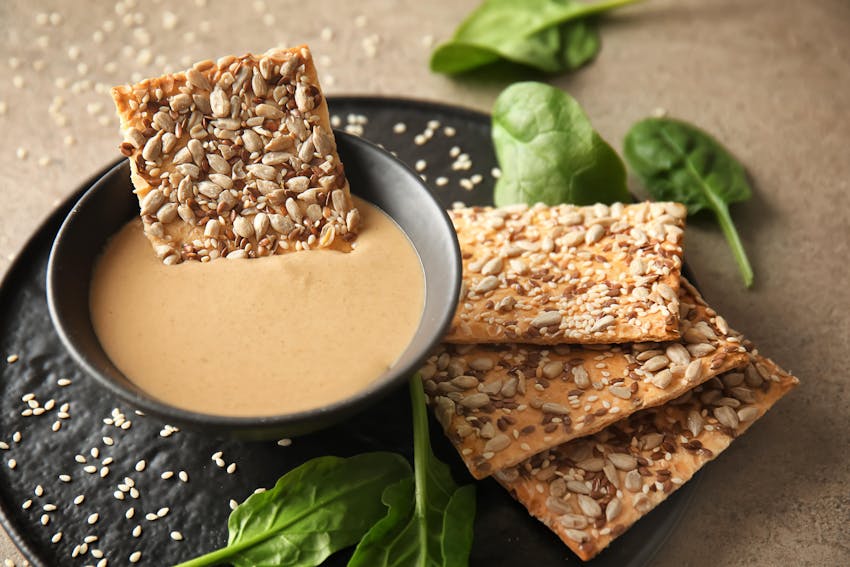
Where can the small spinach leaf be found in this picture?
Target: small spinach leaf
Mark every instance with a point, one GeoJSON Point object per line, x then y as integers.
{"type": "Point", "coordinates": [429, 523]}
{"type": "Point", "coordinates": [549, 153]}
{"type": "Point", "coordinates": [679, 162]}
{"type": "Point", "coordinates": [316, 509]}
{"type": "Point", "coordinates": [548, 35]}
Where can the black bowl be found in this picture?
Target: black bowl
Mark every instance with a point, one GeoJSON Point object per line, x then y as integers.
{"type": "Point", "coordinates": [374, 175]}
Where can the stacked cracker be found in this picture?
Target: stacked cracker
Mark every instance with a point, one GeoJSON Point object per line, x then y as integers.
{"type": "Point", "coordinates": [583, 371]}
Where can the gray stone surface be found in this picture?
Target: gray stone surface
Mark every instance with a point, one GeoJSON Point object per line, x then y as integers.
{"type": "Point", "coordinates": [770, 78]}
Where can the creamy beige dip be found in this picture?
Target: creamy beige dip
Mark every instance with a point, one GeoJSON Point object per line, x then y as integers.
{"type": "Point", "coordinates": [262, 336]}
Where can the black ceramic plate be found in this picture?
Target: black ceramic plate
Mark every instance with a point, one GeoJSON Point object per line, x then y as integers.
{"type": "Point", "coordinates": [504, 533]}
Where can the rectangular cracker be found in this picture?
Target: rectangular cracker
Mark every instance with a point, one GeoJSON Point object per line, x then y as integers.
{"type": "Point", "coordinates": [236, 158]}
{"type": "Point", "coordinates": [567, 274]}
{"type": "Point", "coordinates": [591, 490]}
{"type": "Point", "coordinates": [500, 404]}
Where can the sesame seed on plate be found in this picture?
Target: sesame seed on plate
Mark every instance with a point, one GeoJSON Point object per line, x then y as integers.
{"type": "Point", "coordinates": [137, 531]}
{"type": "Point", "coordinates": [65, 477]}
{"type": "Point", "coordinates": [92, 519]}
{"type": "Point", "coordinates": [166, 475]}
{"type": "Point", "coordinates": [176, 536]}
{"type": "Point", "coordinates": [184, 476]}
{"type": "Point", "coordinates": [79, 499]}
{"type": "Point", "coordinates": [231, 468]}
{"type": "Point", "coordinates": [12, 464]}
{"type": "Point", "coordinates": [285, 442]}
{"type": "Point", "coordinates": [13, 358]}
{"type": "Point", "coordinates": [135, 556]}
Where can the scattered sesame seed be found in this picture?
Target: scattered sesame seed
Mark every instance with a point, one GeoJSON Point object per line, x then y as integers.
{"type": "Point", "coordinates": [104, 472]}
{"type": "Point", "coordinates": [421, 164]}
{"type": "Point", "coordinates": [45, 519]}
{"type": "Point", "coordinates": [65, 477]}
{"type": "Point", "coordinates": [130, 513]}
{"type": "Point", "coordinates": [49, 507]}
{"type": "Point", "coordinates": [420, 140]}
{"type": "Point", "coordinates": [231, 468]}
{"type": "Point", "coordinates": [233, 504]}
{"type": "Point", "coordinates": [454, 151]}
{"type": "Point", "coordinates": [134, 493]}
{"type": "Point", "coordinates": [57, 425]}
{"type": "Point", "coordinates": [140, 466]}
{"type": "Point", "coordinates": [16, 437]}
{"type": "Point", "coordinates": [70, 140]}
{"type": "Point", "coordinates": [108, 441]}
{"type": "Point", "coordinates": [92, 519]}
{"type": "Point", "coordinates": [39, 490]}
{"type": "Point", "coordinates": [3, 107]}
{"type": "Point", "coordinates": [137, 531]}
{"type": "Point", "coordinates": [96, 553]}
{"type": "Point", "coordinates": [80, 459]}
{"type": "Point", "coordinates": [216, 456]}
{"type": "Point", "coordinates": [73, 52]}
{"type": "Point", "coordinates": [428, 40]}
{"type": "Point", "coordinates": [57, 537]}
{"type": "Point", "coordinates": [176, 536]}
{"type": "Point", "coordinates": [91, 469]}
{"type": "Point", "coordinates": [163, 512]}
{"type": "Point", "coordinates": [166, 475]}
{"type": "Point", "coordinates": [496, 173]}
{"type": "Point", "coordinates": [441, 181]}
{"type": "Point", "coordinates": [13, 358]}
{"type": "Point", "coordinates": [79, 499]}
{"type": "Point", "coordinates": [8, 563]}
{"type": "Point", "coordinates": [659, 112]}
{"type": "Point", "coordinates": [4, 446]}
{"type": "Point", "coordinates": [12, 464]}
{"type": "Point", "coordinates": [449, 132]}
{"type": "Point", "coordinates": [135, 556]}
{"type": "Point", "coordinates": [169, 20]}
{"type": "Point", "coordinates": [184, 476]}
{"type": "Point", "coordinates": [118, 495]}
{"type": "Point", "coordinates": [285, 442]}
{"type": "Point", "coordinates": [151, 517]}
{"type": "Point", "coordinates": [327, 34]}
{"type": "Point", "coordinates": [55, 18]}
{"type": "Point", "coordinates": [26, 505]}
{"type": "Point", "coordinates": [107, 461]}
{"type": "Point", "coordinates": [18, 81]}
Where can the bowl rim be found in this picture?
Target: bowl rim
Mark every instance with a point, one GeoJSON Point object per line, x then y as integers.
{"type": "Point", "coordinates": [375, 390]}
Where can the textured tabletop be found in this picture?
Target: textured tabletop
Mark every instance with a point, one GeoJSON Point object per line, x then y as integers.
{"type": "Point", "coordinates": [770, 78]}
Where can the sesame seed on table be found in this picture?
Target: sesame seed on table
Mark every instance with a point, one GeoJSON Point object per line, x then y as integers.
{"type": "Point", "coordinates": [748, 73]}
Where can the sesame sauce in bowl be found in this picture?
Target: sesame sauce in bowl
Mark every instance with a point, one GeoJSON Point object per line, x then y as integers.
{"type": "Point", "coordinates": [259, 337]}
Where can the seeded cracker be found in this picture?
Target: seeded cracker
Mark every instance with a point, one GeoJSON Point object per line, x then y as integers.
{"type": "Point", "coordinates": [500, 404]}
{"type": "Point", "coordinates": [591, 490]}
{"type": "Point", "coordinates": [236, 158]}
{"type": "Point", "coordinates": [567, 274]}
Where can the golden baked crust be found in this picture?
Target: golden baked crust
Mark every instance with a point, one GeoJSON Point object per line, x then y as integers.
{"type": "Point", "coordinates": [567, 274]}
{"type": "Point", "coordinates": [500, 404]}
{"type": "Point", "coordinates": [591, 490]}
{"type": "Point", "coordinates": [236, 158]}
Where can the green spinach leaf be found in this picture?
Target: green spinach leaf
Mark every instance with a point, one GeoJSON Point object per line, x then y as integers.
{"type": "Point", "coordinates": [679, 162]}
{"type": "Point", "coordinates": [548, 35]}
{"type": "Point", "coordinates": [549, 152]}
{"type": "Point", "coordinates": [429, 523]}
{"type": "Point", "coordinates": [316, 509]}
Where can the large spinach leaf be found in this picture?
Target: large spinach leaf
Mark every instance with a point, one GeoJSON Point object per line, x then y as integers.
{"type": "Point", "coordinates": [429, 523]}
{"type": "Point", "coordinates": [679, 162]}
{"type": "Point", "coordinates": [325, 505]}
{"type": "Point", "coordinates": [549, 152]}
{"type": "Point", "coordinates": [548, 35]}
